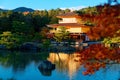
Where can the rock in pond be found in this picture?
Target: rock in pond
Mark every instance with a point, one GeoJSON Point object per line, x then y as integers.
{"type": "Point", "coordinates": [46, 67]}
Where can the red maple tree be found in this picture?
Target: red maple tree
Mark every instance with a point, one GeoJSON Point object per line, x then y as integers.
{"type": "Point", "coordinates": [106, 22]}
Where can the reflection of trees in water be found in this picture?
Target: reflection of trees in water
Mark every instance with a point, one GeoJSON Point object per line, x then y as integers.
{"type": "Point", "coordinates": [97, 56]}
{"type": "Point", "coordinates": [19, 60]}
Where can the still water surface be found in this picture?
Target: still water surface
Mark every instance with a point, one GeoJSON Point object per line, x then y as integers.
{"type": "Point", "coordinates": [24, 66]}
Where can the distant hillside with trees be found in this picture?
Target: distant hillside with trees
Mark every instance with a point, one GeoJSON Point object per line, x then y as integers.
{"type": "Point", "coordinates": [23, 9]}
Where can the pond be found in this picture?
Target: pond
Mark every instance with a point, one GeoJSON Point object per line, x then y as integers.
{"type": "Point", "coordinates": [24, 66]}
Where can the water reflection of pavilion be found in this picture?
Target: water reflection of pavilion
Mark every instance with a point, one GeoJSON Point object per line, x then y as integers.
{"type": "Point", "coordinates": [65, 62]}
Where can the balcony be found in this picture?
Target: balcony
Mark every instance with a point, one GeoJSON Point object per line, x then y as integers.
{"type": "Point", "coordinates": [67, 21]}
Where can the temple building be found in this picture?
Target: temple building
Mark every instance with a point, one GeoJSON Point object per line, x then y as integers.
{"type": "Point", "coordinates": [74, 24]}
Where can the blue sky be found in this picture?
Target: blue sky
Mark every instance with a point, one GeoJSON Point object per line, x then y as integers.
{"type": "Point", "coordinates": [49, 4]}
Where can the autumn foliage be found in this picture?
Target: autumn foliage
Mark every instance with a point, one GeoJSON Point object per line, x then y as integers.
{"type": "Point", "coordinates": [106, 21]}
{"type": "Point", "coordinates": [106, 24]}
{"type": "Point", "coordinates": [97, 56]}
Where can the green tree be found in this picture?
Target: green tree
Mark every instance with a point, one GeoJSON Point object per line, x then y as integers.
{"type": "Point", "coordinates": [9, 40]}
{"type": "Point", "coordinates": [61, 34]}
{"type": "Point", "coordinates": [22, 27]}
{"type": "Point", "coordinates": [16, 16]}
{"type": "Point", "coordinates": [5, 24]}
{"type": "Point", "coordinates": [37, 37]}
{"type": "Point", "coordinates": [115, 39]}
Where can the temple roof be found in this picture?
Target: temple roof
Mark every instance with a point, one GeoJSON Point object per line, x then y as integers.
{"type": "Point", "coordinates": [68, 25]}
{"type": "Point", "coordinates": [69, 14]}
